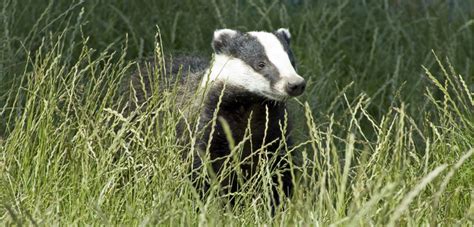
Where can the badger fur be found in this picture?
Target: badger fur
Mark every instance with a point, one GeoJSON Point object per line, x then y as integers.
{"type": "Point", "coordinates": [247, 82]}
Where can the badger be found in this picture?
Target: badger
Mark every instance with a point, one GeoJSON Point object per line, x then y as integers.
{"type": "Point", "coordinates": [245, 88]}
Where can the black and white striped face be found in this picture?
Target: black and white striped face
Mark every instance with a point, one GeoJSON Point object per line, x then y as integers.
{"type": "Point", "coordinates": [259, 62]}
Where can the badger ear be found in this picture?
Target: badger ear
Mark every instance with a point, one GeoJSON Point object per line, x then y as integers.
{"type": "Point", "coordinates": [284, 33]}
{"type": "Point", "coordinates": [222, 39]}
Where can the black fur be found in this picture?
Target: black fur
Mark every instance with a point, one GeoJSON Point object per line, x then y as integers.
{"type": "Point", "coordinates": [189, 67]}
{"type": "Point", "coordinates": [237, 107]}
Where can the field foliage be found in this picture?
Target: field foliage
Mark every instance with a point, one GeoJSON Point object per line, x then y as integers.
{"type": "Point", "coordinates": [383, 134]}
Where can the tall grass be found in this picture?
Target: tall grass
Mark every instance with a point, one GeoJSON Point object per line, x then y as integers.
{"type": "Point", "coordinates": [384, 134]}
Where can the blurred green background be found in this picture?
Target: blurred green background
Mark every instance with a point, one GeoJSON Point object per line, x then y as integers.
{"type": "Point", "coordinates": [376, 48]}
{"type": "Point", "coordinates": [378, 45]}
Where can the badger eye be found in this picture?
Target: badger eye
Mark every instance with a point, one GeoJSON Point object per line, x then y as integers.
{"type": "Point", "coordinates": [261, 65]}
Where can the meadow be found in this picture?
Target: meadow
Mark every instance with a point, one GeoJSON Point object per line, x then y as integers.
{"type": "Point", "coordinates": [384, 133]}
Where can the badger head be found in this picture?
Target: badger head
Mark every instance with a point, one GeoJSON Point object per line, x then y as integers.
{"type": "Point", "coordinates": [258, 62]}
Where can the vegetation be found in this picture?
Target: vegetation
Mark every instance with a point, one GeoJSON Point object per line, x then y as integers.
{"type": "Point", "coordinates": [384, 132]}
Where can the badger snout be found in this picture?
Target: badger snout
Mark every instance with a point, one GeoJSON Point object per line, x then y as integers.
{"type": "Point", "coordinates": [295, 86]}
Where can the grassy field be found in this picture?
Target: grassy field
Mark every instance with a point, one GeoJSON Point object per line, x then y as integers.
{"type": "Point", "coordinates": [384, 132]}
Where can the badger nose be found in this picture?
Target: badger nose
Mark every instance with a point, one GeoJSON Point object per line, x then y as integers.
{"type": "Point", "coordinates": [296, 87]}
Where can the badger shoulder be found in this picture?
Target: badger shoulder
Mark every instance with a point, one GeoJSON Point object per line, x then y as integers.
{"type": "Point", "coordinates": [158, 76]}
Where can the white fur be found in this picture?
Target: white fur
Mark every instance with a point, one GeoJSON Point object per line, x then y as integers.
{"type": "Point", "coordinates": [278, 56]}
{"type": "Point", "coordinates": [235, 72]}
{"type": "Point", "coordinates": [218, 33]}
{"type": "Point", "coordinates": [286, 31]}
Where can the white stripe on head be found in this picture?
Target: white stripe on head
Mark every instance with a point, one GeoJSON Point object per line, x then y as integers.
{"type": "Point", "coordinates": [278, 56]}
{"type": "Point", "coordinates": [235, 72]}
{"type": "Point", "coordinates": [275, 53]}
